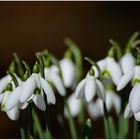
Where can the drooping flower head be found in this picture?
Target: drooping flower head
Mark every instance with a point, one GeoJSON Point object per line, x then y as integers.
{"type": "Point", "coordinates": [90, 86]}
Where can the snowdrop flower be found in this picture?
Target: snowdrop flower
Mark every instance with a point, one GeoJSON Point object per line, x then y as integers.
{"type": "Point", "coordinates": [5, 80]}
{"type": "Point", "coordinates": [74, 106]}
{"type": "Point", "coordinates": [127, 62]}
{"type": "Point", "coordinates": [113, 101]}
{"type": "Point", "coordinates": [95, 109]}
{"type": "Point", "coordinates": [89, 86]}
{"type": "Point", "coordinates": [129, 113]}
{"type": "Point", "coordinates": [110, 68]}
{"type": "Point", "coordinates": [33, 89]}
{"type": "Point", "coordinates": [126, 78]}
{"type": "Point", "coordinates": [68, 72]}
{"type": "Point", "coordinates": [14, 97]}
{"type": "Point", "coordinates": [52, 74]}
{"type": "Point", "coordinates": [13, 113]}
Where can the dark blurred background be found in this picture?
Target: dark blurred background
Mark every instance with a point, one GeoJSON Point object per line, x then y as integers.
{"type": "Point", "coordinates": [27, 27]}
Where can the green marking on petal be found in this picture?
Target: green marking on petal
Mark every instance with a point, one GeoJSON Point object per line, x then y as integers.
{"type": "Point", "coordinates": [135, 81]}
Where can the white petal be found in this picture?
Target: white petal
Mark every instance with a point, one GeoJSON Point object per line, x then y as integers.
{"type": "Point", "coordinates": [128, 112]}
{"type": "Point", "coordinates": [137, 116]}
{"type": "Point", "coordinates": [68, 71]}
{"type": "Point", "coordinates": [90, 88]}
{"type": "Point", "coordinates": [137, 72]}
{"type": "Point", "coordinates": [47, 73]}
{"type": "Point", "coordinates": [114, 70]}
{"type": "Point", "coordinates": [102, 64]}
{"type": "Point", "coordinates": [13, 114]}
{"type": "Point", "coordinates": [48, 90]}
{"type": "Point", "coordinates": [23, 105]}
{"type": "Point", "coordinates": [117, 103]}
{"type": "Point", "coordinates": [14, 97]}
{"type": "Point", "coordinates": [80, 89]}
{"type": "Point", "coordinates": [109, 100]}
{"type": "Point", "coordinates": [4, 82]}
{"type": "Point", "coordinates": [58, 84]}
{"type": "Point", "coordinates": [127, 62]}
{"type": "Point", "coordinates": [74, 106]}
{"type": "Point", "coordinates": [39, 102]}
{"type": "Point", "coordinates": [134, 99]}
{"type": "Point", "coordinates": [125, 80]}
{"type": "Point", "coordinates": [28, 89]}
{"type": "Point", "coordinates": [100, 90]}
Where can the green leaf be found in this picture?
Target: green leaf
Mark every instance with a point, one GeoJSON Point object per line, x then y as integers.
{"type": "Point", "coordinates": [117, 48]}
{"type": "Point", "coordinates": [123, 127]}
{"type": "Point", "coordinates": [132, 40]}
{"type": "Point", "coordinates": [77, 56]}
{"type": "Point", "coordinates": [112, 129]}
{"type": "Point", "coordinates": [87, 131]}
{"type": "Point", "coordinates": [37, 125]}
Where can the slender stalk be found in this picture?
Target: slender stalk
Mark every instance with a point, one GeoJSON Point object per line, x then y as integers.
{"type": "Point", "coordinates": [22, 130]}
{"type": "Point", "coordinates": [134, 129]}
{"type": "Point", "coordinates": [31, 121]}
{"type": "Point", "coordinates": [106, 123]}
{"type": "Point", "coordinates": [71, 122]}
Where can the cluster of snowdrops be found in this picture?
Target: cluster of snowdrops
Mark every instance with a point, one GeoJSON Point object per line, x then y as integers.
{"type": "Point", "coordinates": [98, 91]}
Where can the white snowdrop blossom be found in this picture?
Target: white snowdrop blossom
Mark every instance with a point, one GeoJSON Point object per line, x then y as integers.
{"type": "Point", "coordinates": [12, 113]}
{"type": "Point", "coordinates": [33, 90]}
{"type": "Point", "coordinates": [110, 68]}
{"type": "Point", "coordinates": [129, 113]}
{"type": "Point", "coordinates": [126, 78]}
{"type": "Point", "coordinates": [127, 62]}
{"type": "Point", "coordinates": [68, 70]}
{"type": "Point", "coordinates": [14, 99]}
{"type": "Point", "coordinates": [113, 101]}
{"type": "Point", "coordinates": [5, 80]}
{"type": "Point", "coordinates": [88, 88]}
{"type": "Point", "coordinates": [96, 110]}
{"type": "Point", "coordinates": [74, 106]}
{"type": "Point", "coordinates": [52, 74]}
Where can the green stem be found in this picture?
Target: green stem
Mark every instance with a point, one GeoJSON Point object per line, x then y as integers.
{"type": "Point", "coordinates": [134, 129]}
{"type": "Point", "coordinates": [71, 122]}
{"type": "Point", "coordinates": [106, 123]}
{"type": "Point", "coordinates": [22, 130]}
{"type": "Point", "coordinates": [31, 121]}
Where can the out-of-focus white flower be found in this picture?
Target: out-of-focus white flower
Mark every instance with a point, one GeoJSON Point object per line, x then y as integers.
{"type": "Point", "coordinates": [13, 113]}
{"type": "Point", "coordinates": [68, 72]}
{"type": "Point", "coordinates": [89, 86]}
{"type": "Point", "coordinates": [74, 106]}
{"type": "Point", "coordinates": [5, 80]}
{"type": "Point", "coordinates": [52, 74]}
{"type": "Point", "coordinates": [127, 62]}
{"type": "Point", "coordinates": [129, 113]}
{"type": "Point", "coordinates": [113, 101]}
{"type": "Point", "coordinates": [126, 78]}
{"type": "Point", "coordinates": [33, 89]}
{"type": "Point", "coordinates": [111, 68]}
{"type": "Point", "coordinates": [95, 109]}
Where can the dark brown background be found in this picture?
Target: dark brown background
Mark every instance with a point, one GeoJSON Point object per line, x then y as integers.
{"type": "Point", "coordinates": [27, 27]}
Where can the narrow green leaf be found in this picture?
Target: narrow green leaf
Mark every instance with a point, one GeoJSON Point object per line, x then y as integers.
{"type": "Point", "coordinates": [87, 131]}
{"type": "Point", "coordinates": [37, 125]}
{"type": "Point", "coordinates": [77, 56]}
{"type": "Point", "coordinates": [123, 127]}
{"type": "Point", "coordinates": [112, 129]}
